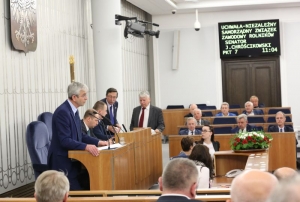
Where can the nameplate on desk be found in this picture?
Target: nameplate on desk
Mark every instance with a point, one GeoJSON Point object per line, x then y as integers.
{"type": "Point", "coordinates": [112, 146]}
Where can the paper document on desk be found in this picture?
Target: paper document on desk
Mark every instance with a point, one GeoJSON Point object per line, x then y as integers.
{"type": "Point", "coordinates": [112, 146]}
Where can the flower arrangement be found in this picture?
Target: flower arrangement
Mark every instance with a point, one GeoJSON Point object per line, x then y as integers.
{"type": "Point", "coordinates": [250, 140]}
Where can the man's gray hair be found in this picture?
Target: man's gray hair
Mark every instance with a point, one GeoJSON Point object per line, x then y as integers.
{"type": "Point", "coordinates": [191, 118]}
{"type": "Point", "coordinates": [248, 102]}
{"type": "Point", "coordinates": [280, 112]}
{"type": "Point", "coordinates": [75, 87]}
{"type": "Point", "coordinates": [144, 94]}
{"type": "Point", "coordinates": [225, 103]}
{"type": "Point", "coordinates": [179, 174]}
{"type": "Point", "coordinates": [287, 190]}
{"type": "Point", "coordinates": [242, 116]}
{"type": "Point", "coordinates": [51, 186]}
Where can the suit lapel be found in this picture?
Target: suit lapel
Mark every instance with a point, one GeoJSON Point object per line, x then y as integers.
{"type": "Point", "coordinates": [77, 123]}
{"type": "Point", "coordinates": [150, 115]}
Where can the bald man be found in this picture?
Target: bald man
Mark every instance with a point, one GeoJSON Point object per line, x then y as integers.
{"type": "Point", "coordinates": [252, 186]}
{"type": "Point", "coordinates": [284, 173]}
{"type": "Point", "coordinates": [192, 108]}
{"type": "Point", "coordinates": [286, 191]}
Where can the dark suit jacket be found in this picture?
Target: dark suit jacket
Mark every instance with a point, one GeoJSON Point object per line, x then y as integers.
{"type": "Point", "coordinates": [204, 122]}
{"type": "Point", "coordinates": [106, 122]}
{"type": "Point", "coordinates": [249, 129]}
{"type": "Point", "coordinates": [186, 132]}
{"type": "Point", "coordinates": [175, 198]}
{"type": "Point", "coordinates": [216, 145]}
{"type": "Point", "coordinates": [276, 129]}
{"type": "Point", "coordinates": [67, 135]}
{"type": "Point", "coordinates": [100, 131]}
{"type": "Point", "coordinates": [255, 111]}
{"type": "Point", "coordinates": [155, 120]}
{"type": "Point", "coordinates": [83, 129]}
{"type": "Point", "coordinates": [188, 115]}
{"type": "Point", "coordinates": [115, 106]}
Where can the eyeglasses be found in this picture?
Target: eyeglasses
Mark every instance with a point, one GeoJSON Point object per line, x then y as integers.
{"type": "Point", "coordinates": [205, 131]}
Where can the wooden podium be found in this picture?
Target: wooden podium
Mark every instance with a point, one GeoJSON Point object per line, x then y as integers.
{"type": "Point", "coordinates": [136, 165]}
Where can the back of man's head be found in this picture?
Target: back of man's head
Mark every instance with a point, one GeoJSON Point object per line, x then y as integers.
{"type": "Point", "coordinates": [284, 173]}
{"type": "Point", "coordinates": [180, 176]}
{"type": "Point", "coordinates": [51, 186]}
{"type": "Point", "coordinates": [252, 186]}
{"type": "Point", "coordinates": [286, 191]}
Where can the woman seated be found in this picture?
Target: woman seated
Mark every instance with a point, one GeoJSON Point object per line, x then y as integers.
{"type": "Point", "coordinates": [200, 155]}
{"type": "Point", "coordinates": [207, 139]}
{"type": "Point", "coordinates": [187, 144]}
{"type": "Point", "coordinates": [225, 110]}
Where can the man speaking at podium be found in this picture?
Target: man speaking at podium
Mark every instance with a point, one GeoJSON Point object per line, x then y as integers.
{"type": "Point", "coordinates": [67, 135]}
{"type": "Point", "coordinates": [147, 115]}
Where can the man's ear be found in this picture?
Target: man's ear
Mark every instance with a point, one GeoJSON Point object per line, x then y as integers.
{"type": "Point", "coordinates": [160, 184]}
{"type": "Point", "coordinates": [193, 190]}
{"type": "Point", "coordinates": [66, 197]}
{"type": "Point", "coordinates": [34, 195]}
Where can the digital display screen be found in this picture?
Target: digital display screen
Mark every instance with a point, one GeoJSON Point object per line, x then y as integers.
{"type": "Point", "coordinates": [249, 38]}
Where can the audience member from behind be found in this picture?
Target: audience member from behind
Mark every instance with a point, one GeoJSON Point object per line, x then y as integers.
{"type": "Point", "coordinates": [280, 121]}
{"type": "Point", "coordinates": [200, 155]}
{"type": "Point", "coordinates": [284, 173]}
{"type": "Point", "coordinates": [147, 115]}
{"type": "Point", "coordinates": [192, 108]}
{"type": "Point", "coordinates": [243, 125]}
{"type": "Point", "coordinates": [208, 139]}
{"type": "Point", "coordinates": [187, 144]}
{"type": "Point", "coordinates": [191, 130]}
{"type": "Point", "coordinates": [254, 100]}
{"type": "Point", "coordinates": [249, 111]}
{"type": "Point", "coordinates": [252, 186]}
{"type": "Point", "coordinates": [179, 181]}
{"type": "Point", "coordinates": [225, 110]}
{"type": "Point", "coordinates": [198, 116]}
{"type": "Point", "coordinates": [286, 191]}
{"type": "Point", "coordinates": [51, 186]}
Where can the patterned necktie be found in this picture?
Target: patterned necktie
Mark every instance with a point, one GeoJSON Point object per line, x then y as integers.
{"type": "Point", "coordinates": [77, 119]}
{"type": "Point", "coordinates": [141, 122]}
{"type": "Point", "coordinates": [112, 120]}
{"type": "Point", "coordinates": [192, 132]}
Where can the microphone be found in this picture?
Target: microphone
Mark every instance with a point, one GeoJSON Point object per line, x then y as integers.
{"type": "Point", "coordinates": [111, 125]}
{"type": "Point", "coordinates": [124, 128]}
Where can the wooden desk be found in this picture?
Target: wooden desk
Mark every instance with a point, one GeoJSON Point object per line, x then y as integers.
{"type": "Point", "coordinates": [137, 165]}
{"type": "Point", "coordinates": [229, 160]}
{"type": "Point", "coordinates": [282, 152]}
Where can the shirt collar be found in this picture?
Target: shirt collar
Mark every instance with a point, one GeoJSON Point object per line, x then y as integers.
{"type": "Point", "coordinates": [87, 128]}
{"type": "Point", "coordinates": [74, 109]}
{"type": "Point", "coordinates": [175, 195]}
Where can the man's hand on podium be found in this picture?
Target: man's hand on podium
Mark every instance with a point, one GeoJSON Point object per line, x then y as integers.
{"type": "Point", "coordinates": [92, 149]}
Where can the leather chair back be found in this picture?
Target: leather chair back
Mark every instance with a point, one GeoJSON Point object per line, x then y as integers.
{"type": "Point", "coordinates": [38, 143]}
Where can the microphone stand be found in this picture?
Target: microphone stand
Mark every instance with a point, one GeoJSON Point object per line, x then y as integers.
{"type": "Point", "coordinates": [111, 126]}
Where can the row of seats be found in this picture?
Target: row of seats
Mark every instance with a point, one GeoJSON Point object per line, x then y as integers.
{"type": "Point", "coordinates": [226, 128]}
{"type": "Point", "coordinates": [212, 111]}
{"type": "Point", "coordinates": [251, 119]}
{"type": "Point", "coordinates": [38, 139]}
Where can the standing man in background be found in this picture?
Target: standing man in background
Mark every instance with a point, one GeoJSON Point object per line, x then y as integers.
{"type": "Point", "coordinates": [67, 135]}
{"type": "Point", "coordinates": [112, 108]}
{"type": "Point", "coordinates": [147, 115]}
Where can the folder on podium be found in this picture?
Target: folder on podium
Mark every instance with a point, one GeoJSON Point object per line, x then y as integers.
{"type": "Point", "coordinates": [135, 165]}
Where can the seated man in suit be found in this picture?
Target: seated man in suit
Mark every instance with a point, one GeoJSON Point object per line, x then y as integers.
{"type": "Point", "coordinates": [147, 115]}
{"type": "Point", "coordinates": [243, 125]}
{"type": "Point", "coordinates": [179, 181]}
{"type": "Point", "coordinates": [187, 144]}
{"type": "Point", "coordinates": [249, 111]}
{"type": "Point", "coordinates": [198, 116]}
{"type": "Point", "coordinates": [256, 104]}
{"type": "Point", "coordinates": [191, 130]}
{"type": "Point", "coordinates": [225, 110]}
{"type": "Point", "coordinates": [101, 130]}
{"type": "Point", "coordinates": [192, 108]}
{"type": "Point", "coordinates": [280, 121]}
{"type": "Point", "coordinates": [51, 186]}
